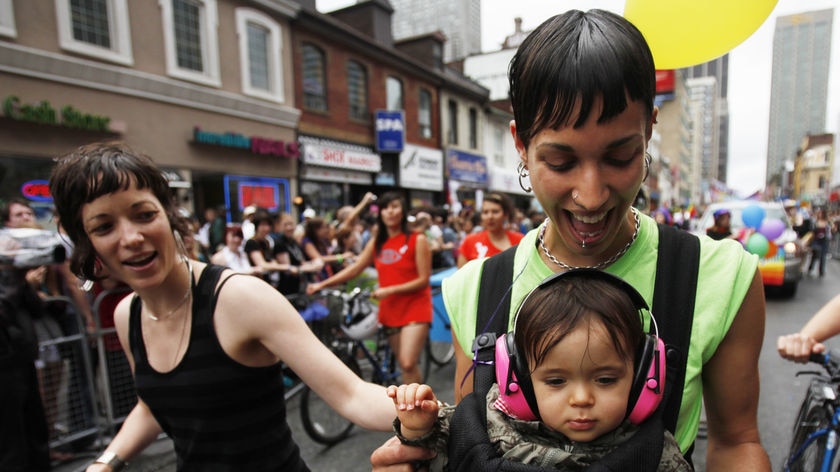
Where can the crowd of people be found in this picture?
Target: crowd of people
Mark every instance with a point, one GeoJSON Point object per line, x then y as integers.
{"type": "Point", "coordinates": [573, 334]}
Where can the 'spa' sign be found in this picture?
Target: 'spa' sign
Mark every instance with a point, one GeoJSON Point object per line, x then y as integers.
{"type": "Point", "coordinates": [390, 130]}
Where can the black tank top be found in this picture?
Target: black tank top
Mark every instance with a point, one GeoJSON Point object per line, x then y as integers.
{"type": "Point", "coordinates": [220, 414]}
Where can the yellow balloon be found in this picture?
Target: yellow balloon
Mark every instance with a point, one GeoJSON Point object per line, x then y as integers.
{"type": "Point", "coordinates": [684, 33]}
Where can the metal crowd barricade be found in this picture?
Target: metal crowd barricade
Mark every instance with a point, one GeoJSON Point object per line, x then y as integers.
{"type": "Point", "coordinates": [834, 246]}
{"type": "Point", "coordinates": [86, 382]}
{"type": "Point", "coordinates": [66, 377]}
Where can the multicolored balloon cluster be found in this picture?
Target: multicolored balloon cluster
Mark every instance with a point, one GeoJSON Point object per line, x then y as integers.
{"type": "Point", "coordinates": [759, 234]}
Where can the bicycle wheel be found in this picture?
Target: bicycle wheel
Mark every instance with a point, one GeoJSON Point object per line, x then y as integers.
{"type": "Point", "coordinates": [440, 352]}
{"type": "Point", "coordinates": [814, 416]}
{"type": "Point", "coordinates": [389, 375]}
{"type": "Point", "coordinates": [319, 420]}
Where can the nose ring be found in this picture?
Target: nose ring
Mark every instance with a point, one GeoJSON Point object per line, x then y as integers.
{"type": "Point", "coordinates": [574, 196]}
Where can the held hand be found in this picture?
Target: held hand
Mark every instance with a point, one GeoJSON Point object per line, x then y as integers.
{"type": "Point", "coordinates": [417, 408]}
{"type": "Point", "coordinates": [394, 456]}
{"type": "Point", "coordinates": [798, 347]}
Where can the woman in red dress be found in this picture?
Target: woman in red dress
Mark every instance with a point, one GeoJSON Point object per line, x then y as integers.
{"type": "Point", "coordinates": [403, 262]}
{"type": "Point", "coordinates": [495, 237]}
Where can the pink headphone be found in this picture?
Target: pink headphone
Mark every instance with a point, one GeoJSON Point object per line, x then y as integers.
{"type": "Point", "coordinates": [516, 392]}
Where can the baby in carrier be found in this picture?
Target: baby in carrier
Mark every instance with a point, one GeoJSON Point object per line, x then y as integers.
{"type": "Point", "coordinates": [578, 383]}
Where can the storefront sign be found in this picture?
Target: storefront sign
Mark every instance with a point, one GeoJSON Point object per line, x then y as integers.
{"type": "Point", "coordinates": [390, 130]}
{"type": "Point", "coordinates": [255, 144]}
{"type": "Point", "coordinates": [421, 168]}
{"type": "Point", "coordinates": [43, 113]}
{"type": "Point", "coordinates": [467, 167]}
{"type": "Point", "coordinates": [264, 192]}
{"type": "Point", "coordinates": [326, 174]}
{"type": "Point", "coordinates": [36, 190]}
{"type": "Point", "coordinates": [334, 156]}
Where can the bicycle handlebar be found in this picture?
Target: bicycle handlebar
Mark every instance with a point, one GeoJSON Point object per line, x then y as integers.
{"type": "Point", "coordinates": [830, 360]}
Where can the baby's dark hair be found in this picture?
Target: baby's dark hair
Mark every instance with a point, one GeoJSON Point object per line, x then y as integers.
{"type": "Point", "coordinates": [98, 169]}
{"type": "Point", "coordinates": [576, 58]}
{"type": "Point", "coordinates": [555, 308]}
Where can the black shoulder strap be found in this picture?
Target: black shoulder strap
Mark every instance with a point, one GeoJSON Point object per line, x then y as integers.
{"type": "Point", "coordinates": [673, 302]}
{"type": "Point", "coordinates": [492, 316]}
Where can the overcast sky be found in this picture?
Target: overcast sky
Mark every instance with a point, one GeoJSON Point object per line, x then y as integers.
{"type": "Point", "coordinates": [749, 71]}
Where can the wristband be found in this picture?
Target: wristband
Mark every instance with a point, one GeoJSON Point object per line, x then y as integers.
{"type": "Point", "coordinates": [112, 460]}
{"type": "Point", "coordinates": [340, 259]}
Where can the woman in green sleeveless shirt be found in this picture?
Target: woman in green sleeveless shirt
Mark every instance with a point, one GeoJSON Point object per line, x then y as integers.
{"type": "Point", "coordinates": [582, 87]}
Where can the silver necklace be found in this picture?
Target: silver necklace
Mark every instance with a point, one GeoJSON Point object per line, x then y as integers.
{"type": "Point", "coordinates": [600, 265]}
{"type": "Point", "coordinates": [180, 304]}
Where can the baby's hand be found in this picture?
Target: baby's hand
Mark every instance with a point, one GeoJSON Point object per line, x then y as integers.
{"type": "Point", "coordinates": [417, 408]}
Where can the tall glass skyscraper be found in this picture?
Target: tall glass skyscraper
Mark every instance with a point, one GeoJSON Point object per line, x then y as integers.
{"type": "Point", "coordinates": [799, 87]}
{"type": "Point", "coordinates": [719, 69]}
{"type": "Point", "coordinates": [459, 20]}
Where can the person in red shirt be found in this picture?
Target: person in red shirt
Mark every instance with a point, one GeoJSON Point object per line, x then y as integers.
{"type": "Point", "coordinates": [495, 237]}
{"type": "Point", "coordinates": [403, 263]}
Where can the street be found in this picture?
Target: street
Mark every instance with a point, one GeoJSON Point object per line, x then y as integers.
{"type": "Point", "coordinates": [781, 392]}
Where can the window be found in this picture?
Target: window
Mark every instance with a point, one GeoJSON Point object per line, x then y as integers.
{"type": "Point", "coordinates": [95, 28]}
{"type": "Point", "coordinates": [260, 52]}
{"type": "Point", "coordinates": [473, 128]}
{"type": "Point", "coordinates": [424, 114]}
{"type": "Point", "coordinates": [314, 78]}
{"type": "Point", "coordinates": [189, 33]}
{"type": "Point", "coordinates": [452, 136]}
{"type": "Point", "coordinates": [499, 145]}
{"type": "Point", "coordinates": [357, 91]}
{"type": "Point", "coordinates": [7, 19]}
{"type": "Point", "coordinates": [394, 91]}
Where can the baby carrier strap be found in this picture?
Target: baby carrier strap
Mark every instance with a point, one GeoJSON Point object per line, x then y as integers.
{"type": "Point", "coordinates": [469, 446]}
{"type": "Point", "coordinates": [641, 453]}
{"type": "Point", "coordinates": [492, 317]}
{"type": "Point", "coordinates": [674, 296]}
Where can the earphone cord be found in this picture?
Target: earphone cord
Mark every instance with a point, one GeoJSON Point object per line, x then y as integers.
{"type": "Point", "coordinates": [475, 361]}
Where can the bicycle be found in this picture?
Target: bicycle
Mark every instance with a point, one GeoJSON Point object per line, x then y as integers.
{"type": "Point", "coordinates": [362, 344]}
{"type": "Point", "coordinates": [441, 350]}
{"type": "Point", "coordinates": [815, 432]}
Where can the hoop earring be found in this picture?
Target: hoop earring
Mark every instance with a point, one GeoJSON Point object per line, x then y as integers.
{"type": "Point", "coordinates": [648, 159]}
{"type": "Point", "coordinates": [523, 173]}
